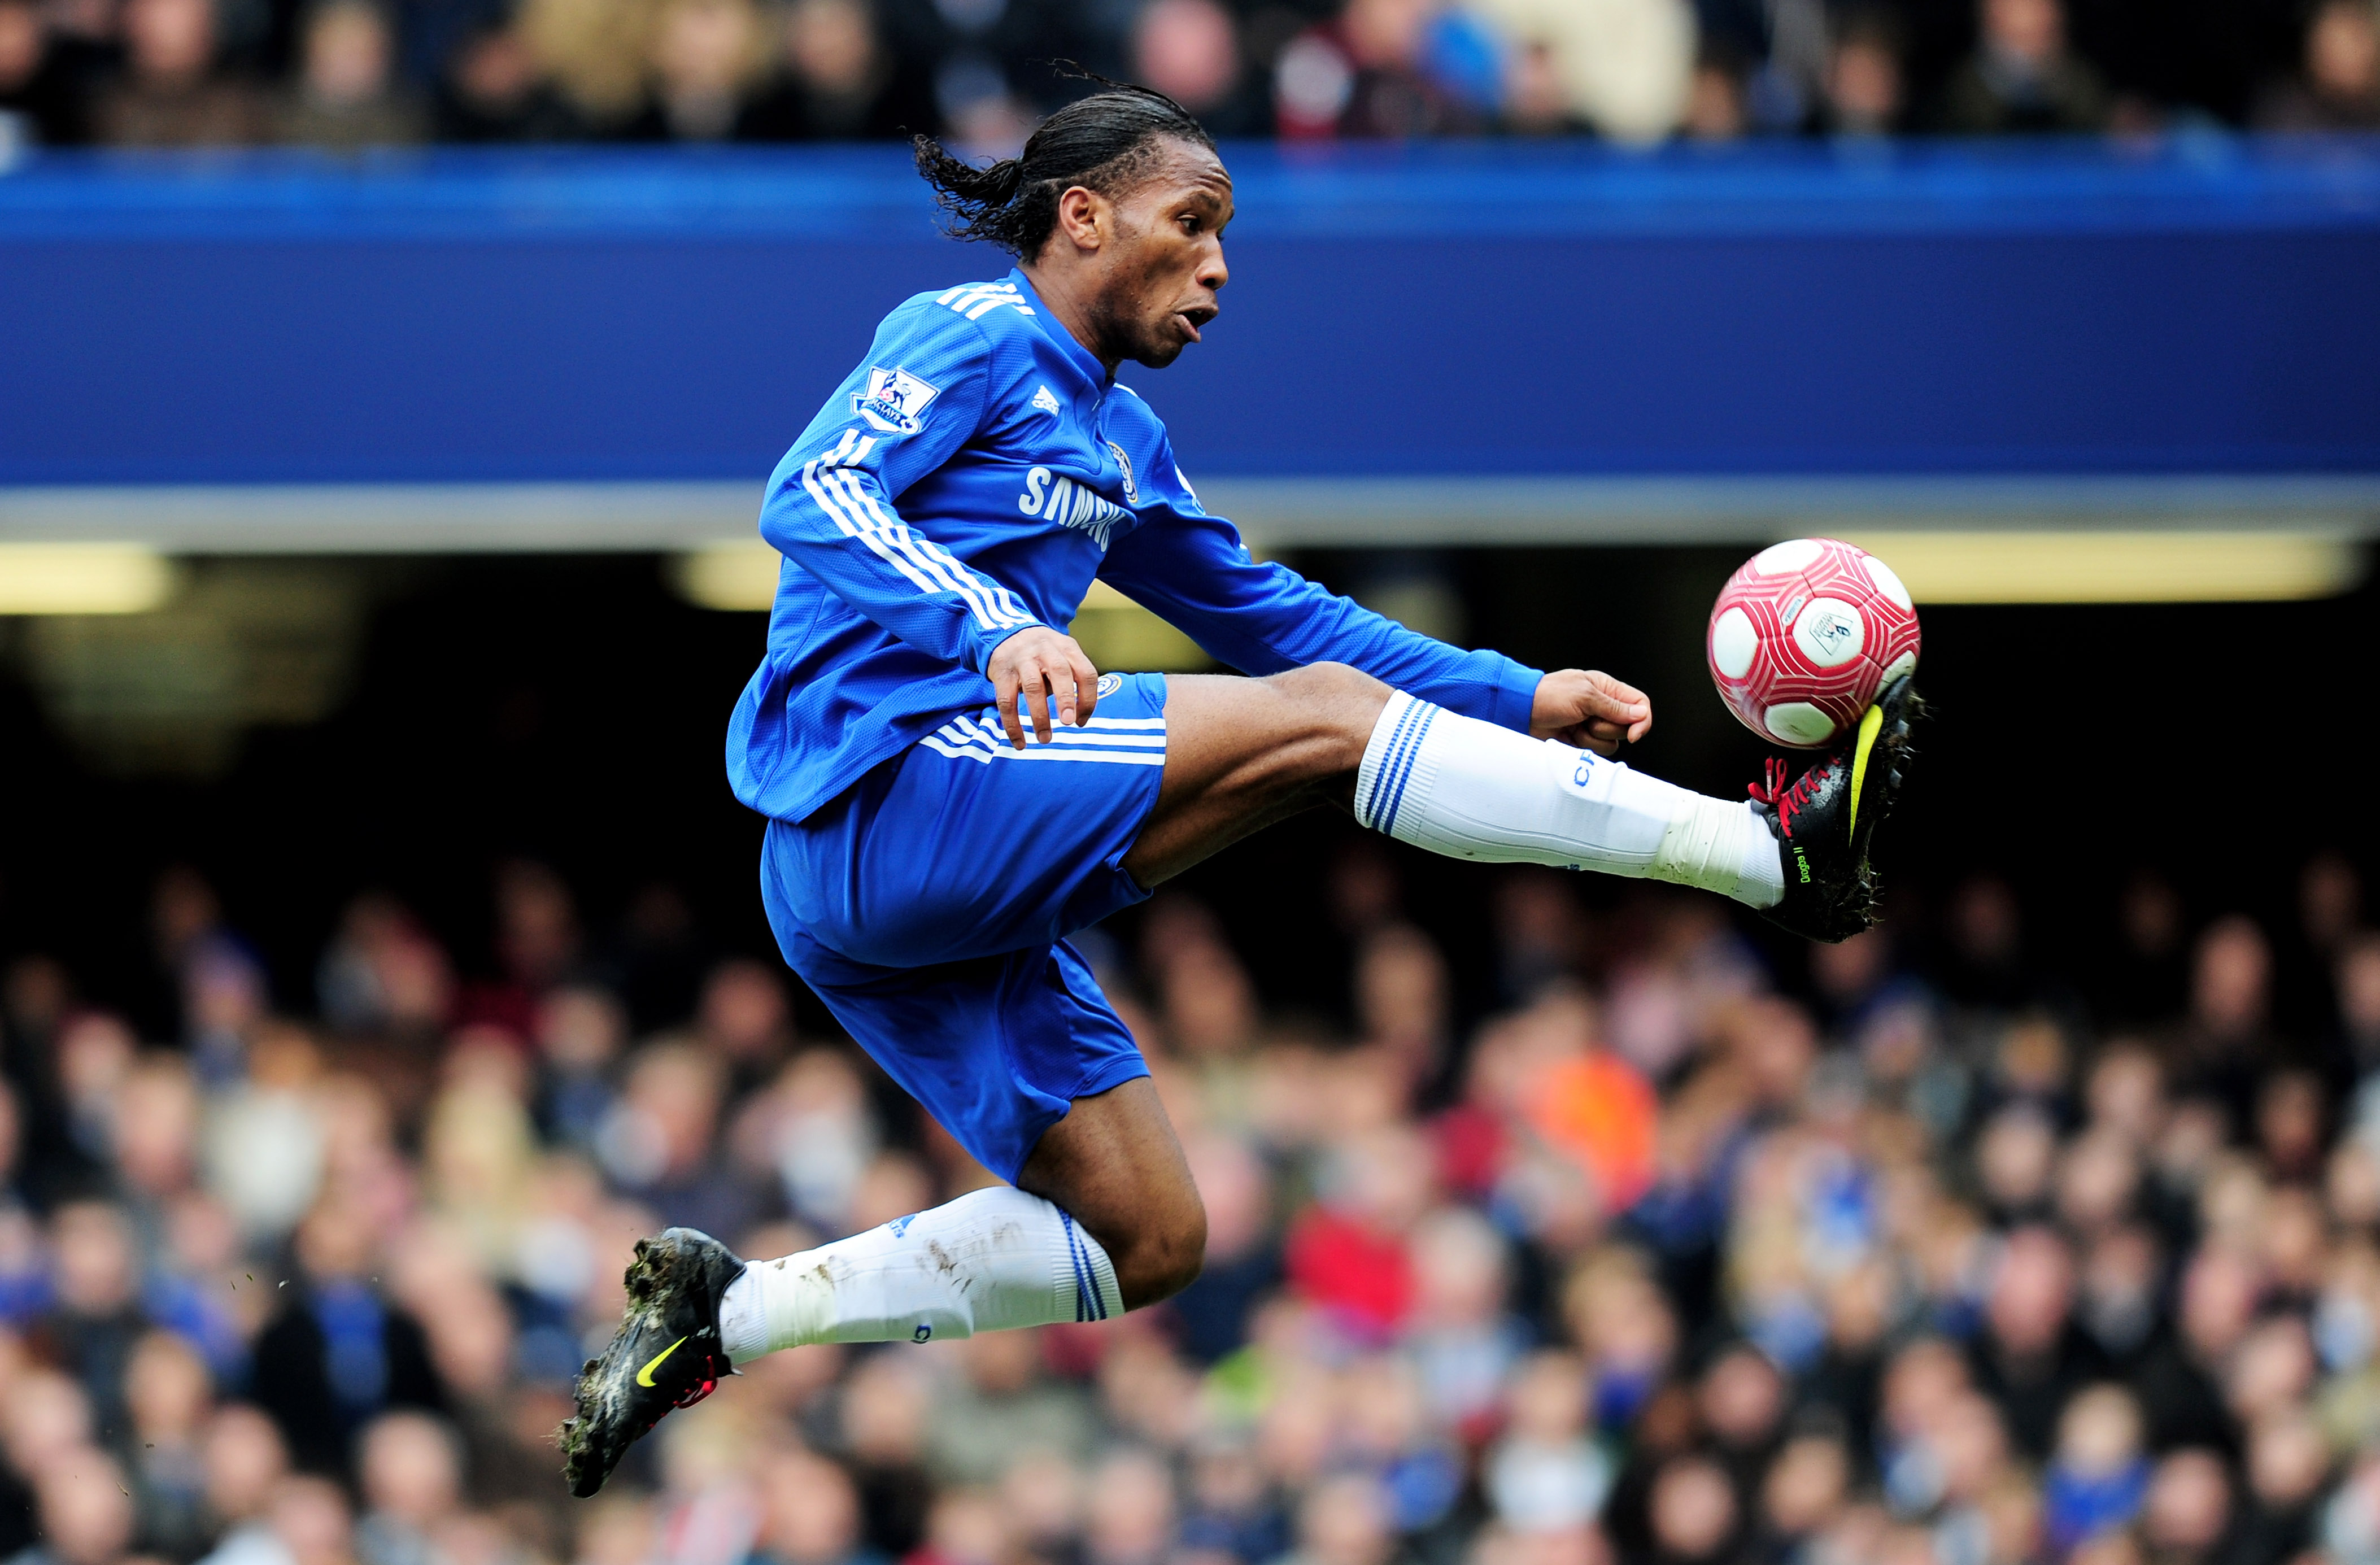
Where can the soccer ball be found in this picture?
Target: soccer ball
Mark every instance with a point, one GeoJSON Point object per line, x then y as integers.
{"type": "Point", "coordinates": [1803, 637]}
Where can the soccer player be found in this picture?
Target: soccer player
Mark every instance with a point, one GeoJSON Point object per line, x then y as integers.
{"type": "Point", "coordinates": [952, 789]}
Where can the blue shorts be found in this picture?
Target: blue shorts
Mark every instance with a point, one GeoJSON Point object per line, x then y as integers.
{"type": "Point", "coordinates": [929, 905]}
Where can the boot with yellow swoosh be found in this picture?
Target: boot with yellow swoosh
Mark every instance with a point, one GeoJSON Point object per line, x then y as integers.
{"type": "Point", "coordinates": [1826, 819]}
{"type": "Point", "coordinates": [666, 1355]}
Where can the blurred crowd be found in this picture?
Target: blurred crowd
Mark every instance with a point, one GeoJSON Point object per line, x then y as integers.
{"type": "Point", "coordinates": [1948, 1249]}
{"type": "Point", "coordinates": [352, 74]}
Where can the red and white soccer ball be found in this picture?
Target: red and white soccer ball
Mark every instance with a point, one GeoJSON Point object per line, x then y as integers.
{"type": "Point", "coordinates": [1803, 637]}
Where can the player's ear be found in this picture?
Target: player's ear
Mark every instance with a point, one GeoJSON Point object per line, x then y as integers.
{"type": "Point", "coordinates": [1083, 217]}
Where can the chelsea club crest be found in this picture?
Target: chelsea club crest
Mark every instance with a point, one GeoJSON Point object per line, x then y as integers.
{"type": "Point", "coordinates": [1131, 490]}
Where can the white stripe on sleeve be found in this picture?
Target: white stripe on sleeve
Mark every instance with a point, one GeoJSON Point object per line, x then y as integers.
{"type": "Point", "coordinates": [819, 493]}
{"type": "Point", "coordinates": [897, 536]}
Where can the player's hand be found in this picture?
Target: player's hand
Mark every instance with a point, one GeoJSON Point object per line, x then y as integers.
{"type": "Point", "coordinates": [1043, 670]}
{"type": "Point", "coordinates": [1589, 711]}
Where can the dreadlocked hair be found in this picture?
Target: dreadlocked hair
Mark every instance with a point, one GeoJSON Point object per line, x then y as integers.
{"type": "Point", "coordinates": [1104, 141]}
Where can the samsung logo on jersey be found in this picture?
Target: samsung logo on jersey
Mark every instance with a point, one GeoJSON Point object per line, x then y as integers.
{"type": "Point", "coordinates": [1054, 497]}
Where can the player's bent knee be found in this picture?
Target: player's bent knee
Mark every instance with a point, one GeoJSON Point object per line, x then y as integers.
{"type": "Point", "coordinates": [1337, 706]}
{"type": "Point", "coordinates": [1163, 1255]}
{"type": "Point", "coordinates": [1336, 684]}
{"type": "Point", "coordinates": [1163, 1268]}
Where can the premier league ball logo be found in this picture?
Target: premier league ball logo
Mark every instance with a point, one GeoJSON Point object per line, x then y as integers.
{"type": "Point", "coordinates": [893, 401]}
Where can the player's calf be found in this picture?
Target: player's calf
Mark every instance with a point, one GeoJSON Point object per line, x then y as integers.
{"type": "Point", "coordinates": [1156, 1262]}
{"type": "Point", "coordinates": [1242, 754]}
{"type": "Point", "coordinates": [1469, 789]}
{"type": "Point", "coordinates": [1114, 1163]}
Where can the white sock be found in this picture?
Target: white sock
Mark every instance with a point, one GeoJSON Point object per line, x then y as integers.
{"type": "Point", "coordinates": [1469, 789]}
{"type": "Point", "coordinates": [990, 1259]}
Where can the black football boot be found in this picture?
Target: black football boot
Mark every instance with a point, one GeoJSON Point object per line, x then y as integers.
{"type": "Point", "coordinates": [1826, 818]}
{"type": "Point", "coordinates": [666, 1355]}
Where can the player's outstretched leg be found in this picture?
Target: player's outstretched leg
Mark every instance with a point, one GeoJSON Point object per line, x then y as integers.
{"type": "Point", "coordinates": [989, 1260]}
{"type": "Point", "coordinates": [1243, 753]}
{"type": "Point", "coordinates": [1797, 852]}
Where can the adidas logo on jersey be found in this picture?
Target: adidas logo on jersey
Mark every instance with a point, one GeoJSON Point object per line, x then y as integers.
{"type": "Point", "coordinates": [1046, 400]}
{"type": "Point", "coordinates": [1054, 497]}
{"type": "Point", "coordinates": [976, 300]}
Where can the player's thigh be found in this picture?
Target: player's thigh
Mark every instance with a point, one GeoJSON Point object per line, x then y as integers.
{"type": "Point", "coordinates": [1115, 1164]}
{"type": "Point", "coordinates": [997, 1048]}
{"type": "Point", "coordinates": [1243, 753]}
{"type": "Point", "coordinates": [964, 846]}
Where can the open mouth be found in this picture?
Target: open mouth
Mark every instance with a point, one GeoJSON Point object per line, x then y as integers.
{"type": "Point", "coordinates": [1193, 319]}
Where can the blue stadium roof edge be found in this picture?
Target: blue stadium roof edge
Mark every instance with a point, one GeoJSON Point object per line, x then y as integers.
{"type": "Point", "coordinates": [1274, 513]}
{"type": "Point", "coordinates": [2193, 179]}
{"type": "Point", "coordinates": [1503, 342]}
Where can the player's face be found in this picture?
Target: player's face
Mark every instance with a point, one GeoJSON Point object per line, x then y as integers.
{"type": "Point", "coordinates": [1168, 266]}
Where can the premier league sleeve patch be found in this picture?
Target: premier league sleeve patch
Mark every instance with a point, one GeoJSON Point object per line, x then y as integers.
{"type": "Point", "coordinates": [893, 401]}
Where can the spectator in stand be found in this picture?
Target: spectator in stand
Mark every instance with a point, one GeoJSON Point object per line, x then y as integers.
{"type": "Point", "coordinates": [306, 1522]}
{"type": "Point", "coordinates": [83, 1510]}
{"type": "Point", "coordinates": [594, 52]}
{"type": "Point", "coordinates": [494, 90]}
{"type": "Point", "coordinates": [706, 57]}
{"type": "Point", "coordinates": [2338, 84]}
{"type": "Point", "coordinates": [1863, 77]}
{"type": "Point", "coordinates": [246, 1462]}
{"type": "Point", "coordinates": [1714, 105]}
{"type": "Point", "coordinates": [833, 79]}
{"type": "Point", "coordinates": [97, 1320]}
{"type": "Point", "coordinates": [658, 1140]}
{"type": "Point", "coordinates": [1386, 68]}
{"type": "Point", "coordinates": [169, 1398]}
{"type": "Point", "coordinates": [171, 93]}
{"type": "Point", "coordinates": [338, 1352]}
{"type": "Point", "coordinates": [2225, 1042]}
{"type": "Point", "coordinates": [2355, 1052]}
{"type": "Point", "coordinates": [1624, 67]}
{"type": "Point", "coordinates": [2186, 1514]}
{"type": "Point", "coordinates": [382, 977]}
{"type": "Point", "coordinates": [1535, 102]}
{"type": "Point", "coordinates": [2097, 1478]}
{"type": "Point", "coordinates": [347, 96]}
{"type": "Point", "coordinates": [40, 101]}
{"type": "Point", "coordinates": [812, 1516]}
{"type": "Point", "coordinates": [409, 1473]}
{"type": "Point", "coordinates": [1190, 51]}
{"type": "Point", "coordinates": [2024, 76]}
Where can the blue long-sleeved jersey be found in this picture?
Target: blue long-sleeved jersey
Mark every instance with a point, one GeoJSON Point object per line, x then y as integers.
{"type": "Point", "coordinates": [971, 479]}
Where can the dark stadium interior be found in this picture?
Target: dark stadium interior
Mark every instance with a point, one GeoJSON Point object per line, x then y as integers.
{"type": "Point", "coordinates": [570, 710]}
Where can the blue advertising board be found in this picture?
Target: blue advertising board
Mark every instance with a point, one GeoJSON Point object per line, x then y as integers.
{"type": "Point", "coordinates": [2199, 307]}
